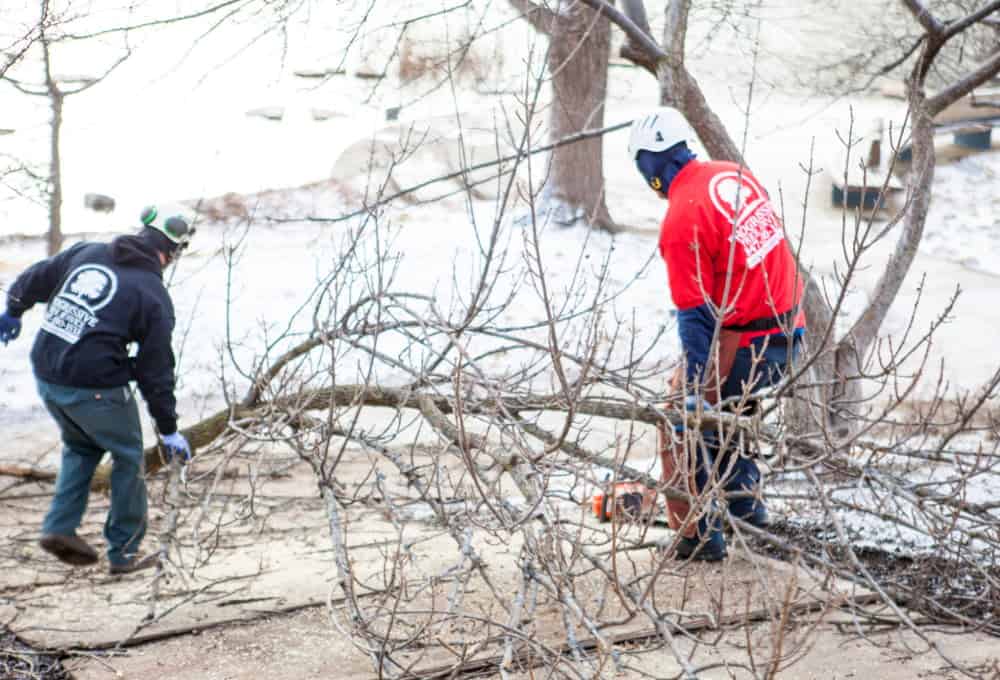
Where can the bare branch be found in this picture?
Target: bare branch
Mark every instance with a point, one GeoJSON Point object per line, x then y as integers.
{"type": "Point", "coordinates": [951, 94]}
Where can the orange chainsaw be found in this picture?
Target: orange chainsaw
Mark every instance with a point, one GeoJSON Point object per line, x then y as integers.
{"type": "Point", "coordinates": [625, 502]}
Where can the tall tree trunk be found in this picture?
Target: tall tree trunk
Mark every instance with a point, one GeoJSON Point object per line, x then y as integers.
{"type": "Point", "coordinates": [921, 178]}
{"type": "Point", "coordinates": [55, 235]}
{"type": "Point", "coordinates": [578, 57]}
{"type": "Point", "coordinates": [579, 52]}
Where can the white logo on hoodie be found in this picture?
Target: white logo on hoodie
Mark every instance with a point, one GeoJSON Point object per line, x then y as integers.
{"type": "Point", "coordinates": [73, 310]}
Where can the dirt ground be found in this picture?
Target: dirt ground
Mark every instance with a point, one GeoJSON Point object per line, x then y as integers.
{"type": "Point", "coordinates": [247, 595]}
{"type": "Point", "coordinates": [305, 645]}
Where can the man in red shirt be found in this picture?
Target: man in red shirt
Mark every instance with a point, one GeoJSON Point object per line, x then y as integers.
{"type": "Point", "coordinates": [736, 287]}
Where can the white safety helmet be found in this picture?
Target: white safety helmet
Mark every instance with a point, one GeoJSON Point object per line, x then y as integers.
{"type": "Point", "coordinates": [659, 130]}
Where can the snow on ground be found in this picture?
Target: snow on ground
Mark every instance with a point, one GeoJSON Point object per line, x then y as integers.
{"type": "Point", "coordinates": [964, 221]}
{"type": "Point", "coordinates": [225, 315]}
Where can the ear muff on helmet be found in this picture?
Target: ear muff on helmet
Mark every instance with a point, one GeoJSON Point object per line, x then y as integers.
{"type": "Point", "coordinates": [148, 215]}
{"type": "Point", "coordinates": [177, 229]}
{"type": "Point", "coordinates": [172, 223]}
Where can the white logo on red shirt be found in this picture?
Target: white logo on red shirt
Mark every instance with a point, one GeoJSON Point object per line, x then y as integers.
{"type": "Point", "coordinates": [745, 205]}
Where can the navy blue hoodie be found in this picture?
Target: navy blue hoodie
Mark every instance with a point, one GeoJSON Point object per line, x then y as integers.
{"type": "Point", "coordinates": [101, 297]}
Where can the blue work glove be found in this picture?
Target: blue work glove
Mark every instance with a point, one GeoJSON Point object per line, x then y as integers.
{"type": "Point", "coordinates": [10, 327]}
{"type": "Point", "coordinates": [176, 445]}
{"type": "Point", "coordinates": [691, 404]}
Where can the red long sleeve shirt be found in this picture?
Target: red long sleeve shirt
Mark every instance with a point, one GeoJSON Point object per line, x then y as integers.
{"type": "Point", "coordinates": [721, 220]}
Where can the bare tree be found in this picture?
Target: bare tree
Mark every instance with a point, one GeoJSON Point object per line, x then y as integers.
{"type": "Point", "coordinates": [57, 25]}
{"type": "Point", "coordinates": [838, 363]}
{"type": "Point", "coordinates": [852, 353]}
{"type": "Point", "coordinates": [51, 27]}
{"type": "Point", "coordinates": [512, 450]}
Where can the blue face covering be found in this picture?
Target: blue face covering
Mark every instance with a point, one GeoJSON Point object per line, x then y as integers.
{"type": "Point", "coordinates": [660, 167]}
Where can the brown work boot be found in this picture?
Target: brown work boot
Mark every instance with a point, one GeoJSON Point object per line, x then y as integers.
{"type": "Point", "coordinates": [137, 563]}
{"type": "Point", "coordinates": [70, 549]}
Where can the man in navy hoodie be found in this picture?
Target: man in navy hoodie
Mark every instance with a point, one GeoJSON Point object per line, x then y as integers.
{"type": "Point", "coordinates": [101, 298]}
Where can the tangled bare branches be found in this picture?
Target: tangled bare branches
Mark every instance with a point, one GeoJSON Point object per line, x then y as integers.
{"type": "Point", "coordinates": [444, 418]}
{"type": "Point", "coordinates": [457, 434]}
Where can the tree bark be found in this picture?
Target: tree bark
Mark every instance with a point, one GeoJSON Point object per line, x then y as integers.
{"type": "Point", "coordinates": [204, 432]}
{"type": "Point", "coordinates": [578, 57]}
{"type": "Point", "coordinates": [865, 328]}
{"type": "Point", "coordinates": [55, 236]}
{"type": "Point", "coordinates": [679, 89]}
{"type": "Point", "coordinates": [579, 52]}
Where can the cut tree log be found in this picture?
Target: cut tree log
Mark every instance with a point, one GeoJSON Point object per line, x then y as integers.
{"type": "Point", "coordinates": [205, 432]}
{"type": "Point", "coordinates": [28, 473]}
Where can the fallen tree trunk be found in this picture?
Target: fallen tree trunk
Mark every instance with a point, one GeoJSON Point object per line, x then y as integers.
{"type": "Point", "coordinates": [199, 435]}
{"type": "Point", "coordinates": [27, 473]}
{"type": "Point", "coordinates": [206, 431]}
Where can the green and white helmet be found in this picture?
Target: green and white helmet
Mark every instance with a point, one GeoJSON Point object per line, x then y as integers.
{"type": "Point", "coordinates": [173, 221]}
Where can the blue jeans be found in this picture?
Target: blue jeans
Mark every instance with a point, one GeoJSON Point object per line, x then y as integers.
{"type": "Point", "coordinates": [92, 421]}
{"type": "Point", "coordinates": [733, 468]}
